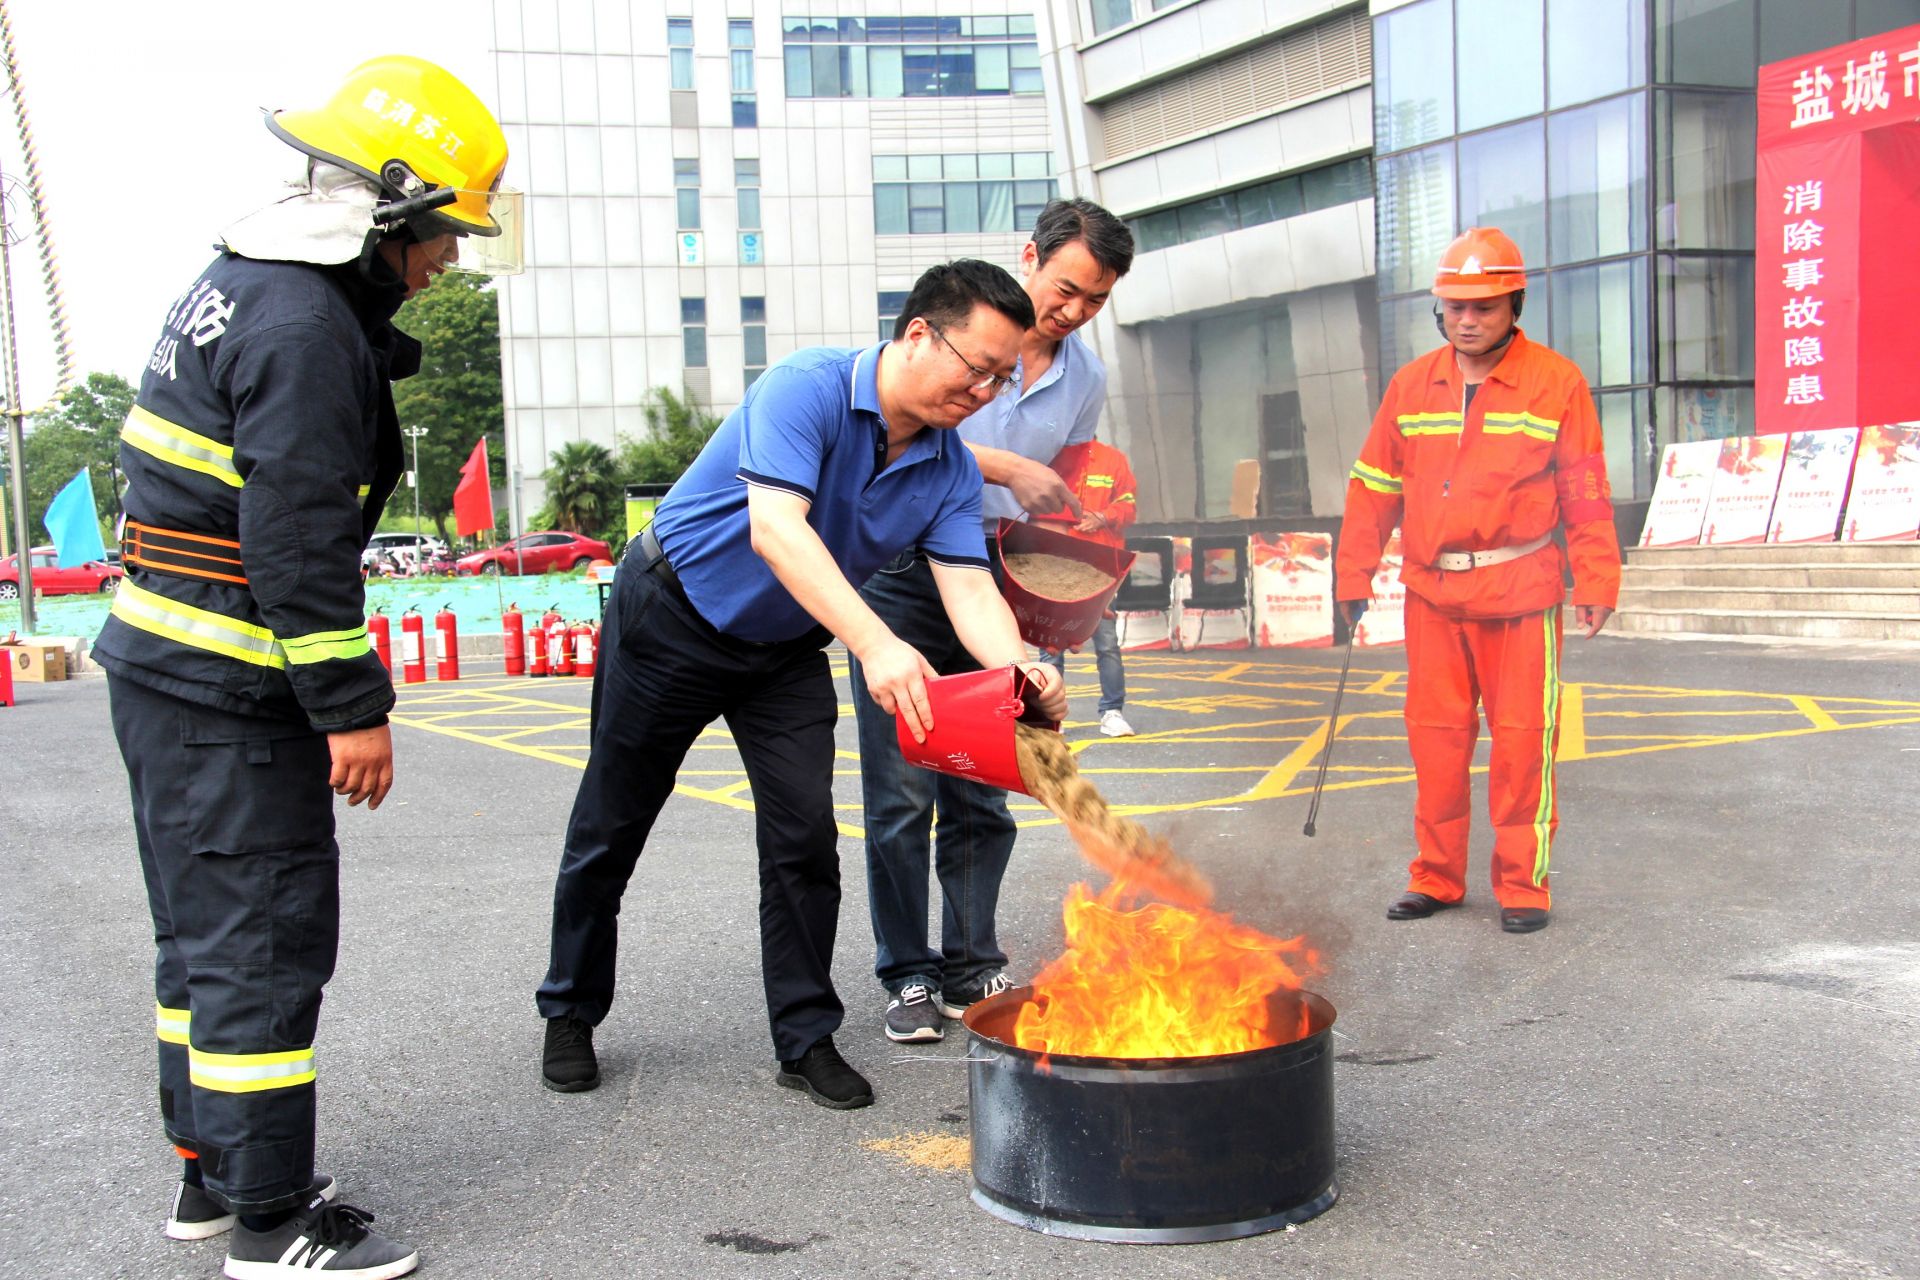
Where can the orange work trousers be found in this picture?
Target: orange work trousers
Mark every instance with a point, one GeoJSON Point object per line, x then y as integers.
{"type": "Point", "coordinates": [1511, 666]}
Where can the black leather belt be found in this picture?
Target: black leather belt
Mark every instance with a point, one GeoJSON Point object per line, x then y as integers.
{"type": "Point", "coordinates": [657, 560]}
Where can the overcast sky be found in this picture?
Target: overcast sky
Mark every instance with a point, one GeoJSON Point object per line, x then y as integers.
{"type": "Point", "coordinates": [147, 120]}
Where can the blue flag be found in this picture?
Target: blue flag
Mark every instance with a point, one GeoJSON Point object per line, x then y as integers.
{"type": "Point", "coordinates": [74, 525]}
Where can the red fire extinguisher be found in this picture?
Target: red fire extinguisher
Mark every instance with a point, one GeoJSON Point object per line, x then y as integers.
{"type": "Point", "coordinates": [413, 656]}
{"type": "Point", "coordinates": [513, 627]}
{"type": "Point", "coordinates": [380, 631]}
{"type": "Point", "coordinates": [560, 648]}
{"type": "Point", "coordinates": [446, 644]}
{"type": "Point", "coordinates": [548, 619]}
{"type": "Point", "coordinates": [584, 644]}
{"type": "Point", "coordinates": [537, 647]}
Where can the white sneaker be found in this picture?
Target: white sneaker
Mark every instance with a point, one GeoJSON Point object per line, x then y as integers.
{"type": "Point", "coordinates": [1115, 725]}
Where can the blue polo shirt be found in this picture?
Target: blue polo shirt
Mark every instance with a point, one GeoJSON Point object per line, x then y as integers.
{"type": "Point", "coordinates": [810, 425]}
{"type": "Point", "coordinates": [1062, 407]}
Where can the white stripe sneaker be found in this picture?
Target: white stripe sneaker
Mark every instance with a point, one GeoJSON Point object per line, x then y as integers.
{"type": "Point", "coordinates": [320, 1240]}
{"type": "Point", "coordinates": [198, 1216]}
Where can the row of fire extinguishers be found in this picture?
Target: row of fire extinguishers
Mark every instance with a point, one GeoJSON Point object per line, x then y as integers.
{"type": "Point", "coordinates": [556, 647]}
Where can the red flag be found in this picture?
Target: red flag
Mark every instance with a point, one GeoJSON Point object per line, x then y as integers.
{"type": "Point", "coordinates": [473, 496]}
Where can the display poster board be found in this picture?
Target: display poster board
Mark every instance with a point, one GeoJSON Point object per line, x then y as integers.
{"type": "Point", "coordinates": [1292, 590]}
{"type": "Point", "coordinates": [1813, 485]}
{"type": "Point", "coordinates": [1385, 621]}
{"type": "Point", "coordinates": [1884, 505]}
{"type": "Point", "coordinates": [1745, 480]}
{"type": "Point", "coordinates": [1679, 508]}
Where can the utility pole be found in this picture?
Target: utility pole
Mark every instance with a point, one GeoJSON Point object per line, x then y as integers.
{"type": "Point", "coordinates": [414, 434]}
{"type": "Point", "coordinates": [16, 435]}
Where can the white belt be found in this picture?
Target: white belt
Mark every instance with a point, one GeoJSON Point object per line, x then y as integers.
{"type": "Point", "coordinates": [1461, 561]}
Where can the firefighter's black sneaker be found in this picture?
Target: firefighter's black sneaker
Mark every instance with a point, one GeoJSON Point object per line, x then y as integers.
{"type": "Point", "coordinates": [1414, 905]}
{"type": "Point", "coordinates": [321, 1239]}
{"type": "Point", "coordinates": [955, 1001]}
{"type": "Point", "coordinates": [567, 1064]}
{"type": "Point", "coordinates": [198, 1216]}
{"type": "Point", "coordinates": [826, 1077]}
{"type": "Point", "coordinates": [913, 1016]}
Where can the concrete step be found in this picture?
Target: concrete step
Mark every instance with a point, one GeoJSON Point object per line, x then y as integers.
{"type": "Point", "coordinates": [1833, 577]}
{"type": "Point", "coordinates": [1900, 602]}
{"type": "Point", "coordinates": [1871, 553]}
{"type": "Point", "coordinates": [1752, 622]}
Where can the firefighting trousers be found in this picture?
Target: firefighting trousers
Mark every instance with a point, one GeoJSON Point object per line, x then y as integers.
{"type": "Point", "coordinates": [234, 821]}
{"type": "Point", "coordinates": [664, 675]}
{"type": "Point", "coordinates": [1511, 666]}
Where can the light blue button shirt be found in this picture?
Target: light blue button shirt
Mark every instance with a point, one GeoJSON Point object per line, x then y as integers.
{"type": "Point", "coordinates": [1037, 422]}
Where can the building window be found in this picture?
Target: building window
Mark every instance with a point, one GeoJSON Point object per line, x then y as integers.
{"type": "Point", "coordinates": [1595, 48]}
{"type": "Point", "coordinates": [693, 332]}
{"type": "Point", "coordinates": [753, 329]}
{"type": "Point", "coordinates": [917, 57]}
{"type": "Point", "coordinates": [680, 51]}
{"type": "Point", "coordinates": [746, 182]}
{"type": "Point", "coordinates": [996, 191]}
{"type": "Point", "coordinates": [1519, 90]}
{"type": "Point", "coordinates": [1320, 188]}
{"type": "Point", "coordinates": [746, 104]}
{"type": "Point", "coordinates": [1412, 77]}
{"type": "Point", "coordinates": [890, 303]}
{"type": "Point", "coordinates": [686, 190]}
{"type": "Point", "coordinates": [1108, 14]}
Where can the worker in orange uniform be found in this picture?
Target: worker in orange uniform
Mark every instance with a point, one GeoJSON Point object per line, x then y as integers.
{"type": "Point", "coordinates": [1481, 450]}
{"type": "Point", "coordinates": [1100, 476]}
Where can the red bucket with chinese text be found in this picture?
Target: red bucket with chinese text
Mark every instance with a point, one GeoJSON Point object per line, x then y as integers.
{"type": "Point", "coordinates": [973, 718]}
{"type": "Point", "coordinates": [1045, 621]}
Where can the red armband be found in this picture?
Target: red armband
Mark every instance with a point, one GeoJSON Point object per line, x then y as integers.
{"type": "Point", "coordinates": [1585, 495]}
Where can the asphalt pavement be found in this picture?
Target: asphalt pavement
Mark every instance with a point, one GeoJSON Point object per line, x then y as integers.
{"type": "Point", "coordinates": [1709, 1065]}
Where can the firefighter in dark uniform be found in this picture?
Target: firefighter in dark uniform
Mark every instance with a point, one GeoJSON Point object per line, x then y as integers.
{"type": "Point", "coordinates": [246, 695]}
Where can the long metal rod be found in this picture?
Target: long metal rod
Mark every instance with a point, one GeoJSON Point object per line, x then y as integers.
{"type": "Point", "coordinates": [16, 432]}
{"type": "Point", "coordinates": [1333, 724]}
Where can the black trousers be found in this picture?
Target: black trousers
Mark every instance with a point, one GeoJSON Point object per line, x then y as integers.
{"type": "Point", "coordinates": [234, 820]}
{"type": "Point", "coordinates": [664, 676]}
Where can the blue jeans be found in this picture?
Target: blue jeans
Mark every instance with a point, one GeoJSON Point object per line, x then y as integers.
{"type": "Point", "coordinates": [912, 813]}
{"type": "Point", "coordinates": [1106, 655]}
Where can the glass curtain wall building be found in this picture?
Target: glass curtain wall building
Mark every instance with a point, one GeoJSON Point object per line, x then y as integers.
{"type": "Point", "coordinates": [1614, 140]}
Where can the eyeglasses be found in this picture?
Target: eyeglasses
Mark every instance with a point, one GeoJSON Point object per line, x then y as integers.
{"type": "Point", "coordinates": [992, 383]}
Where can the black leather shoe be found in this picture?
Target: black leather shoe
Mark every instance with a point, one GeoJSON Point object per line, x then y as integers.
{"type": "Point", "coordinates": [826, 1077]}
{"type": "Point", "coordinates": [1416, 906]}
{"type": "Point", "coordinates": [1523, 919]}
{"type": "Point", "coordinates": [567, 1064]}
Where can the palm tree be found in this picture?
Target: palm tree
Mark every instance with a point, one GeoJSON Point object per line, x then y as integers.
{"type": "Point", "coordinates": [582, 488]}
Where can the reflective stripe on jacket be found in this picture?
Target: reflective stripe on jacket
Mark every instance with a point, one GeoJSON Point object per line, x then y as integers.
{"type": "Point", "coordinates": [259, 453]}
{"type": "Point", "coordinates": [1524, 458]}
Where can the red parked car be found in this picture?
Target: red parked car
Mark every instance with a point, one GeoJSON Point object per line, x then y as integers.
{"type": "Point", "coordinates": [536, 553]}
{"type": "Point", "coordinates": [87, 579]}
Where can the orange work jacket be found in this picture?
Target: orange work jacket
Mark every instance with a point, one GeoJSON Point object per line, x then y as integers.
{"type": "Point", "coordinates": [1102, 479]}
{"type": "Point", "coordinates": [1525, 458]}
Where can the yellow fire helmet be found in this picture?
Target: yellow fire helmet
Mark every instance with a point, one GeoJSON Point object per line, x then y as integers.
{"type": "Point", "coordinates": [417, 131]}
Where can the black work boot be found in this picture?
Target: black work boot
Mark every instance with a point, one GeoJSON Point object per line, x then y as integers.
{"type": "Point", "coordinates": [826, 1077]}
{"type": "Point", "coordinates": [567, 1064]}
{"type": "Point", "coordinates": [1414, 905]}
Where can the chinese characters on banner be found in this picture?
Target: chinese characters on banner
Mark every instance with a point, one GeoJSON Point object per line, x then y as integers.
{"type": "Point", "coordinates": [1838, 193]}
{"type": "Point", "coordinates": [1744, 483]}
{"type": "Point", "coordinates": [1679, 508]}
{"type": "Point", "coordinates": [1885, 503]}
{"type": "Point", "coordinates": [1813, 485]}
{"type": "Point", "coordinates": [1292, 590]}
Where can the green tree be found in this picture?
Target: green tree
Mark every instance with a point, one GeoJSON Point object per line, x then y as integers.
{"type": "Point", "coordinates": [582, 489]}
{"type": "Point", "coordinates": [456, 395]}
{"type": "Point", "coordinates": [677, 428]}
{"type": "Point", "coordinates": [82, 429]}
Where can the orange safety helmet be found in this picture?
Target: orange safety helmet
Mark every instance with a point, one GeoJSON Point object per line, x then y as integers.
{"type": "Point", "coordinates": [1482, 262]}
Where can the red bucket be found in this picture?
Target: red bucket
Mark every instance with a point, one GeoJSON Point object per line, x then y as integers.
{"type": "Point", "coordinates": [1044, 621]}
{"type": "Point", "coordinates": [973, 719]}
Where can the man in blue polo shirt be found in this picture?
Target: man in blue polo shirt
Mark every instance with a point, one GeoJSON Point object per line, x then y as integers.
{"type": "Point", "coordinates": [1054, 399]}
{"type": "Point", "coordinates": [835, 462]}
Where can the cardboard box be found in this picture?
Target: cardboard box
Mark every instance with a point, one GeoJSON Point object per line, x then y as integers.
{"type": "Point", "coordinates": [36, 661]}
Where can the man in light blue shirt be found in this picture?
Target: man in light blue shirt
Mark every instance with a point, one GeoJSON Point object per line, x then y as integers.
{"type": "Point", "coordinates": [1077, 253]}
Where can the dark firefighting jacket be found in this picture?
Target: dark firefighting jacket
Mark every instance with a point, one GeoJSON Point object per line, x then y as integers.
{"type": "Point", "coordinates": [259, 453]}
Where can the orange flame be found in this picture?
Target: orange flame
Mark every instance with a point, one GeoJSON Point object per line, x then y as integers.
{"type": "Point", "coordinates": [1160, 981]}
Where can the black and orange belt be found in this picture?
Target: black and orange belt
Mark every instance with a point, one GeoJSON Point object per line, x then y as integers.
{"type": "Point", "coordinates": [189, 555]}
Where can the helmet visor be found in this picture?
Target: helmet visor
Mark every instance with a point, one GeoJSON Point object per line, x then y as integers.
{"type": "Point", "coordinates": [497, 249]}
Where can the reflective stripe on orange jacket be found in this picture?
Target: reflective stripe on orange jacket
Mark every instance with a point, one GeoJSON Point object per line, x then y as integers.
{"type": "Point", "coordinates": [1102, 479]}
{"type": "Point", "coordinates": [1524, 459]}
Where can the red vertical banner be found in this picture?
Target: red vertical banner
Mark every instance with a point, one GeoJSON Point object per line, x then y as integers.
{"type": "Point", "coordinates": [1836, 203]}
